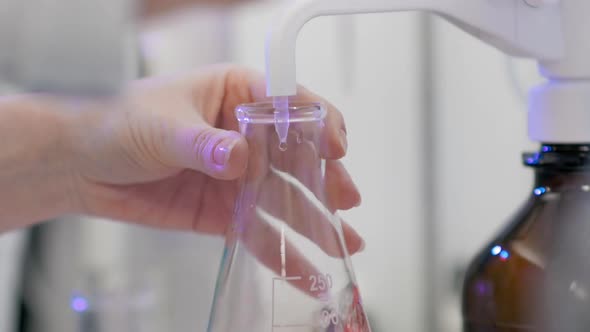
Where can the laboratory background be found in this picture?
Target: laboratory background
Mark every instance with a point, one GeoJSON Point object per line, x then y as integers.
{"type": "Point", "coordinates": [436, 125]}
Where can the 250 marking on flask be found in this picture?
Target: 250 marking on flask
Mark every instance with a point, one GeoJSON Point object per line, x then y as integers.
{"type": "Point", "coordinates": [320, 282]}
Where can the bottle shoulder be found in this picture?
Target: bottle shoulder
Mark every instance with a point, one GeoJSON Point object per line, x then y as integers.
{"type": "Point", "coordinates": [545, 244]}
{"type": "Point", "coordinates": [532, 229]}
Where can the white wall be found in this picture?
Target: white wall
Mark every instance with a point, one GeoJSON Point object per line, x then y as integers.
{"type": "Point", "coordinates": [182, 41]}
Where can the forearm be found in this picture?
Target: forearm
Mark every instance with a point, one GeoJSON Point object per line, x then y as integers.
{"type": "Point", "coordinates": [153, 8]}
{"type": "Point", "coordinates": [150, 8]}
{"type": "Point", "coordinates": [34, 179]}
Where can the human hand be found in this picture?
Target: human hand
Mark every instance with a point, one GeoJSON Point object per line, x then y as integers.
{"type": "Point", "coordinates": [168, 155]}
{"type": "Point", "coordinates": [151, 8]}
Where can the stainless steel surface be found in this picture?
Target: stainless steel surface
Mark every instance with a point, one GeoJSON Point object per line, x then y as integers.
{"type": "Point", "coordinates": [12, 246]}
{"type": "Point", "coordinates": [97, 275]}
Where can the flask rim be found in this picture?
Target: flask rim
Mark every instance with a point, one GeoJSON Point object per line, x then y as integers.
{"type": "Point", "coordinates": [264, 112]}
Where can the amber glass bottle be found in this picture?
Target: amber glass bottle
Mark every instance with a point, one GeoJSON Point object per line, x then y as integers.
{"type": "Point", "coordinates": [535, 275]}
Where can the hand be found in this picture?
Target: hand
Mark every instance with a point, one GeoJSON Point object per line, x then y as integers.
{"type": "Point", "coordinates": [151, 8]}
{"type": "Point", "coordinates": [169, 154]}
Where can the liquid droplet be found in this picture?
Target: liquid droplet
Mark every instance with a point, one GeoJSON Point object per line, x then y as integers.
{"type": "Point", "coordinates": [283, 146]}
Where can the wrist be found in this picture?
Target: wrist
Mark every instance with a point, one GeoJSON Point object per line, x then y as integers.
{"type": "Point", "coordinates": [36, 182]}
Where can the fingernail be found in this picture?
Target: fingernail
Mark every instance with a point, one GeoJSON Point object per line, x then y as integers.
{"type": "Point", "coordinates": [223, 151]}
{"type": "Point", "coordinates": [363, 245]}
{"type": "Point", "coordinates": [343, 139]}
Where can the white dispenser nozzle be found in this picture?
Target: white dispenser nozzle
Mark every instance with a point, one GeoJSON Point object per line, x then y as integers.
{"type": "Point", "coordinates": [513, 26]}
{"type": "Point", "coordinates": [554, 32]}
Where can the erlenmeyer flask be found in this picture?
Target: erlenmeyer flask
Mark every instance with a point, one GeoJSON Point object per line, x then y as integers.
{"type": "Point", "coordinates": [285, 267]}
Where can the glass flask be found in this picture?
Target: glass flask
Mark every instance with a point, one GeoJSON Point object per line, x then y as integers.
{"type": "Point", "coordinates": [535, 275]}
{"type": "Point", "coordinates": [285, 266]}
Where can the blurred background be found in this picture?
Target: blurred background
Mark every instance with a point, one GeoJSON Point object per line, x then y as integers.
{"type": "Point", "coordinates": [436, 122]}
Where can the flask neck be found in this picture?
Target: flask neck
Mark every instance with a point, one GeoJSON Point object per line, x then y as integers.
{"type": "Point", "coordinates": [560, 167]}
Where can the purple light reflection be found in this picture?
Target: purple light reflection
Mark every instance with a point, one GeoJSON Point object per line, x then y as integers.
{"type": "Point", "coordinates": [79, 304]}
{"type": "Point", "coordinates": [483, 287]}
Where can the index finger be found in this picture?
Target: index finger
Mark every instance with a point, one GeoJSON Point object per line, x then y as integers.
{"type": "Point", "coordinates": [334, 143]}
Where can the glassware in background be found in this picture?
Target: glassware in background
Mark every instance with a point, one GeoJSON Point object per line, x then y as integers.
{"type": "Point", "coordinates": [535, 275]}
{"type": "Point", "coordinates": [109, 302]}
{"type": "Point", "coordinates": [285, 232]}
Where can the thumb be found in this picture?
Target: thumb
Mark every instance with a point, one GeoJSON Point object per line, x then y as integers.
{"type": "Point", "coordinates": [221, 154]}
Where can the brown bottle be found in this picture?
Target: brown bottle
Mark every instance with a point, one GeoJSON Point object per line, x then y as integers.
{"type": "Point", "coordinates": [535, 275]}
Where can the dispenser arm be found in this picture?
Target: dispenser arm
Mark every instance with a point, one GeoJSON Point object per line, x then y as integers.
{"type": "Point", "coordinates": [526, 28]}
